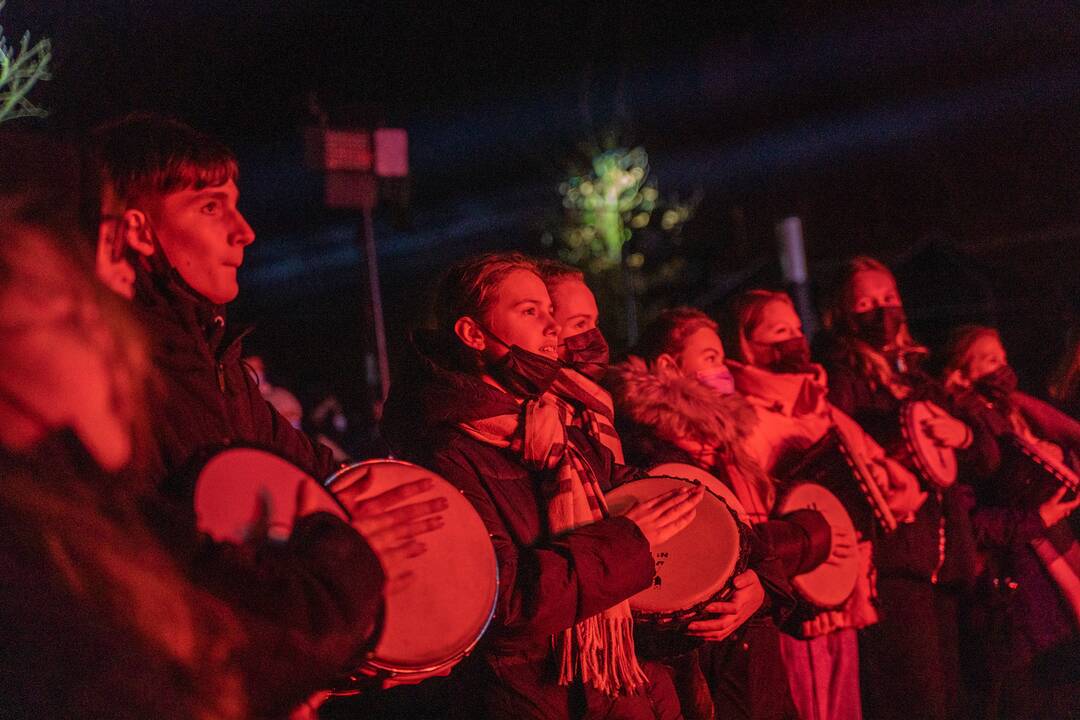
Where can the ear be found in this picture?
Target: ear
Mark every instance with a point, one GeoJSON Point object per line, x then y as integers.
{"type": "Point", "coordinates": [666, 362]}
{"type": "Point", "coordinates": [136, 232]}
{"type": "Point", "coordinates": [469, 332]}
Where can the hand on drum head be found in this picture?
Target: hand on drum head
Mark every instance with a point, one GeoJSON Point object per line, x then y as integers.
{"type": "Point", "coordinates": [392, 528]}
{"type": "Point", "coordinates": [946, 431]}
{"type": "Point", "coordinates": [666, 515]}
{"type": "Point", "coordinates": [1057, 508]}
{"type": "Point", "coordinates": [730, 615]}
{"type": "Point", "coordinates": [900, 488]}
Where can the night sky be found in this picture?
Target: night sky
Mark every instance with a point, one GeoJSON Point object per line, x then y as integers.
{"type": "Point", "coordinates": [945, 139]}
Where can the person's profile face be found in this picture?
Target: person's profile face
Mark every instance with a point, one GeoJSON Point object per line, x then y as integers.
{"type": "Point", "coordinates": [522, 316]}
{"type": "Point", "coordinates": [203, 236]}
{"type": "Point", "coordinates": [702, 351]}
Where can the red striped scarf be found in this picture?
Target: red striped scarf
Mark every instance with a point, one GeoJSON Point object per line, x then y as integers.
{"type": "Point", "coordinates": [599, 649]}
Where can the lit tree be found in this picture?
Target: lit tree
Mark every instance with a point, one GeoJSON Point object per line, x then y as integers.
{"type": "Point", "coordinates": [605, 207]}
{"type": "Point", "coordinates": [21, 68]}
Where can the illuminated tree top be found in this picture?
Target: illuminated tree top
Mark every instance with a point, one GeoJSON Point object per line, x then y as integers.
{"type": "Point", "coordinates": [21, 67]}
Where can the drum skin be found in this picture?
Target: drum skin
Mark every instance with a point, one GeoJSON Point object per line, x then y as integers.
{"type": "Point", "coordinates": [933, 463]}
{"type": "Point", "coordinates": [439, 616]}
{"type": "Point", "coordinates": [713, 484]}
{"type": "Point", "coordinates": [242, 490]}
{"type": "Point", "coordinates": [695, 564]}
{"type": "Point", "coordinates": [832, 582]}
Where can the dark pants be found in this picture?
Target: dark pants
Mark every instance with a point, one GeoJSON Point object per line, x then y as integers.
{"type": "Point", "coordinates": [528, 690]}
{"type": "Point", "coordinates": [508, 691]}
{"type": "Point", "coordinates": [909, 662]}
{"type": "Point", "coordinates": [738, 679]}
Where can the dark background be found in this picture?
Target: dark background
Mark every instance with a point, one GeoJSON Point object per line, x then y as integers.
{"type": "Point", "coordinates": [943, 138]}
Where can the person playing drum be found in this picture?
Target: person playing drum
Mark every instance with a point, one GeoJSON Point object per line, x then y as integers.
{"type": "Point", "coordinates": [485, 402]}
{"type": "Point", "coordinates": [910, 660]}
{"type": "Point", "coordinates": [1029, 589]}
{"type": "Point", "coordinates": [769, 359]}
{"type": "Point", "coordinates": [677, 403]}
{"type": "Point", "coordinates": [170, 239]}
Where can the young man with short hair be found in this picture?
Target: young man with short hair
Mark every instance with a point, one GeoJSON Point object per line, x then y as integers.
{"type": "Point", "coordinates": [171, 239]}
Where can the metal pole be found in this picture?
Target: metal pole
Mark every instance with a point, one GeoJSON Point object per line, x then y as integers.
{"type": "Point", "coordinates": [376, 303]}
{"type": "Point", "coordinates": [789, 240]}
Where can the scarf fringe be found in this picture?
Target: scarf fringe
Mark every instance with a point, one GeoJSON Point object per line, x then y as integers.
{"type": "Point", "coordinates": [610, 665]}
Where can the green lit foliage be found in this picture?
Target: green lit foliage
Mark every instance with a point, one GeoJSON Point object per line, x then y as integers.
{"type": "Point", "coordinates": [607, 204]}
{"type": "Point", "coordinates": [21, 67]}
{"type": "Point", "coordinates": [622, 233]}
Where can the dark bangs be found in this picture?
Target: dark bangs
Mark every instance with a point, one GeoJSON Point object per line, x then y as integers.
{"type": "Point", "coordinates": [143, 155]}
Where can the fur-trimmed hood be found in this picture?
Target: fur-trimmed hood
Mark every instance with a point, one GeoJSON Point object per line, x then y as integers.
{"type": "Point", "coordinates": [674, 405]}
{"type": "Point", "coordinates": [655, 408]}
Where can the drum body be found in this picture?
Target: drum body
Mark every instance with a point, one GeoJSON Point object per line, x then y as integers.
{"type": "Point", "coordinates": [1028, 477]}
{"type": "Point", "coordinates": [912, 447]}
{"type": "Point", "coordinates": [440, 615]}
{"type": "Point", "coordinates": [693, 568]}
{"type": "Point", "coordinates": [831, 583]}
{"type": "Point", "coordinates": [831, 463]}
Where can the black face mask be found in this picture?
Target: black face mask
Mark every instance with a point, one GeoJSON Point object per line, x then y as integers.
{"type": "Point", "coordinates": [790, 356]}
{"type": "Point", "coordinates": [523, 373]}
{"type": "Point", "coordinates": [878, 327]}
{"type": "Point", "coordinates": [999, 384]}
{"type": "Point", "coordinates": [588, 353]}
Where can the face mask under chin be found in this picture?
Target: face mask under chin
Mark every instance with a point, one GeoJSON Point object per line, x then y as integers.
{"type": "Point", "coordinates": [523, 373]}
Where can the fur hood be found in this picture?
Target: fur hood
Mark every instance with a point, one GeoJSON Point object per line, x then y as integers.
{"type": "Point", "coordinates": [672, 405]}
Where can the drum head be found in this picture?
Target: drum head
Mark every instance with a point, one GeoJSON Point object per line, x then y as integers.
{"type": "Point", "coordinates": [444, 609]}
{"type": "Point", "coordinates": [710, 481]}
{"type": "Point", "coordinates": [832, 582]}
{"type": "Point", "coordinates": [937, 464]}
{"type": "Point", "coordinates": [695, 564]}
{"type": "Point", "coordinates": [241, 491]}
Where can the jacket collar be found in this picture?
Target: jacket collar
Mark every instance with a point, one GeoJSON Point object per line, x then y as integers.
{"type": "Point", "coordinates": [792, 394]}
{"type": "Point", "coordinates": [162, 293]}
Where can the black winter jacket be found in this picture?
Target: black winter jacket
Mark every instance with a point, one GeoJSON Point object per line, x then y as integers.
{"type": "Point", "coordinates": [311, 606]}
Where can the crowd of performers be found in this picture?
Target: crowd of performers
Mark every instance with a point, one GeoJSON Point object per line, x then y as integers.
{"type": "Point", "coordinates": [121, 376]}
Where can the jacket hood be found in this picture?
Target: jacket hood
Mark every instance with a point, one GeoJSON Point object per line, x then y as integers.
{"type": "Point", "coordinates": [675, 406]}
